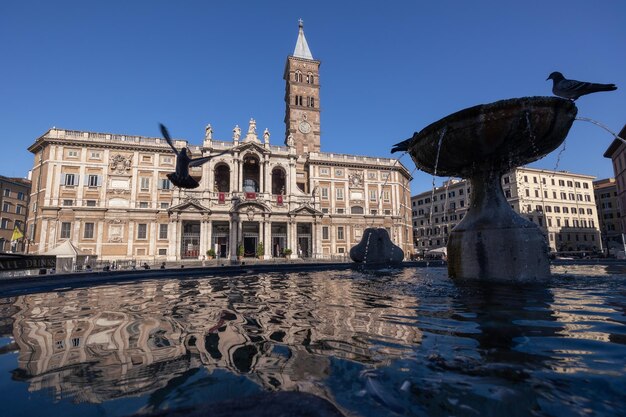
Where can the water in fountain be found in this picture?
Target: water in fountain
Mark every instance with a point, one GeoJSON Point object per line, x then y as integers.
{"type": "Point", "coordinates": [432, 194]}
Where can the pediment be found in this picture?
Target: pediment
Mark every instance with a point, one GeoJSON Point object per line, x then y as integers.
{"type": "Point", "coordinates": [189, 206]}
{"type": "Point", "coordinates": [252, 145]}
{"type": "Point", "coordinates": [306, 210]}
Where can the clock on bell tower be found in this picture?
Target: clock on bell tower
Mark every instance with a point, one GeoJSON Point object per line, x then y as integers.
{"type": "Point", "coordinates": [302, 97]}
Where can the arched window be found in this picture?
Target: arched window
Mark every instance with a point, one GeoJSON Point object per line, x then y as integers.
{"type": "Point", "coordinates": [251, 174]}
{"type": "Point", "coordinates": [222, 178]}
{"type": "Point", "coordinates": [309, 78]}
{"type": "Point", "coordinates": [298, 76]}
{"type": "Point", "coordinates": [356, 210]}
{"type": "Point", "coordinates": [278, 181]}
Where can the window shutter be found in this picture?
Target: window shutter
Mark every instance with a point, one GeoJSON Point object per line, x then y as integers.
{"type": "Point", "coordinates": [99, 181]}
{"type": "Point", "coordinates": [62, 179]}
{"type": "Point", "coordinates": [86, 180]}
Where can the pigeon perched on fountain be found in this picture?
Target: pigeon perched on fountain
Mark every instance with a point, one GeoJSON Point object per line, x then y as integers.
{"type": "Point", "coordinates": [181, 177]}
{"type": "Point", "coordinates": [572, 89]}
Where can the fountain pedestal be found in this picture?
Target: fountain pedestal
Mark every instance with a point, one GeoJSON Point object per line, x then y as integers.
{"type": "Point", "coordinates": [492, 242]}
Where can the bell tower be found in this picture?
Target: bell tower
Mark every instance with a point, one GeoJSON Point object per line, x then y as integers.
{"type": "Point", "coordinates": [302, 97]}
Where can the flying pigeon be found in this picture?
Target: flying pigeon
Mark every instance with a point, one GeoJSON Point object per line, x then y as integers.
{"type": "Point", "coordinates": [404, 145]}
{"type": "Point", "coordinates": [181, 177]}
{"type": "Point", "coordinates": [573, 89]}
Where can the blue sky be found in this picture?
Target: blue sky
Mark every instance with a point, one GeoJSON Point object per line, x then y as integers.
{"type": "Point", "coordinates": [388, 68]}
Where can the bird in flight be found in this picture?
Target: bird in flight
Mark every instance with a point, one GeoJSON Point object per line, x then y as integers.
{"type": "Point", "coordinates": [573, 89]}
{"type": "Point", "coordinates": [181, 177]}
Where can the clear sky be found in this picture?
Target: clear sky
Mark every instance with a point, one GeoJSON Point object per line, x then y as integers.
{"type": "Point", "coordinates": [389, 68]}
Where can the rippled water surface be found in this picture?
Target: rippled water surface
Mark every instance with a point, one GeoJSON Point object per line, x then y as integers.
{"type": "Point", "coordinates": [403, 342]}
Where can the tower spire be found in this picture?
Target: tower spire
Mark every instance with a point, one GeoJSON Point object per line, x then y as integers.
{"type": "Point", "coordinates": [302, 47]}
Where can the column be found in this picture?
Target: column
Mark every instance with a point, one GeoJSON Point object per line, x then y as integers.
{"type": "Point", "coordinates": [232, 239]}
{"type": "Point", "coordinates": [41, 245]}
{"type": "Point", "coordinates": [171, 234]}
{"type": "Point", "coordinates": [76, 232]}
{"type": "Point", "coordinates": [317, 237]}
{"type": "Point", "coordinates": [152, 237]}
{"type": "Point", "coordinates": [208, 236]}
{"type": "Point", "coordinates": [131, 238]}
{"type": "Point", "coordinates": [267, 239]}
{"type": "Point", "coordinates": [99, 237]}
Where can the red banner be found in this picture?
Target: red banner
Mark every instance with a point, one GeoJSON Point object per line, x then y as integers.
{"type": "Point", "coordinates": [279, 200]}
{"type": "Point", "coordinates": [221, 198]}
{"type": "Point", "coordinates": [250, 196]}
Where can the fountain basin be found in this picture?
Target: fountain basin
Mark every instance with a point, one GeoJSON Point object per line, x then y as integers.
{"type": "Point", "coordinates": [501, 135]}
{"type": "Point", "coordinates": [481, 143]}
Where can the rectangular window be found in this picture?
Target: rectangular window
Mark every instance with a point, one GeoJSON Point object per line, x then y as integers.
{"type": "Point", "coordinates": [6, 207]}
{"type": "Point", "coordinates": [163, 231]}
{"type": "Point", "coordinates": [20, 195]}
{"type": "Point", "coordinates": [167, 159]}
{"type": "Point", "coordinates": [341, 211]}
{"type": "Point", "coordinates": [372, 175]}
{"type": "Point", "coordinates": [72, 153]}
{"type": "Point", "coordinates": [339, 193]}
{"type": "Point", "coordinates": [91, 203]}
{"type": "Point", "coordinates": [373, 212]}
{"type": "Point", "coordinates": [387, 212]}
{"type": "Point", "coordinates": [94, 155]}
{"type": "Point", "coordinates": [340, 234]}
{"type": "Point", "coordinates": [165, 184]}
{"type": "Point", "coordinates": [88, 233]}
{"type": "Point", "coordinates": [165, 205]}
{"type": "Point", "coordinates": [325, 235]}
{"type": "Point", "coordinates": [66, 230]}
{"type": "Point", "coordinates": [325, 210]}
{"type": "Point", "coordinates": [19, 209]}
{"type": "Point", "coordinates": [93, 180]}
{"type": "Point", "coordinates": [5, 224]}
{"type": "Point", "coordinates": [324, 193]}
{"type": "Point", "coordinates": [162, 252]}
{"type": "Point", "coordinates": [7, 192]}
{"type": "Point", "coordinates": [338, 172]}
{"type": "Point", "coordinates": [324, 171]}
{"type": "Point", "coordinates": [373, 196]}
{"type": "Point", "coordinates": [69, 179]}
{"type": "Point", "coordinates": [386, 196]}
{"type": "Point", "coordinates": [143, 204]}
{"type": "Point", "coordinates": [68, 202]}
{"type": "Point", "coordinates": [145, 184]}
{"type": "Point", "coordinates": [142, 231]}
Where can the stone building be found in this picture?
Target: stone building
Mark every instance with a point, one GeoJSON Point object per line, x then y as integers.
{"type": "Point", "coordinates": [14, 204]}
{"type": "Point", "coordinates": [609, 213]}
{"type": "Point", "coordinates": [109, 194]}
{"type": "Point", "coordinates": [617, 153]}
{"type": "Point", "coordinates": [561, 203]}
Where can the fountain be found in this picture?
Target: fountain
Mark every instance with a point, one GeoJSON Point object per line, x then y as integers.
{"type": "Point", "coordinates": [481, 143]}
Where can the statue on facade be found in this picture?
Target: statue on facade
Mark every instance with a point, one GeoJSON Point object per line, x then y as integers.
{"type": "Point", "coordinates": [252, 127]}
{"type": "Point", "coordinates": [236, 132]}
{"type": "Point", "coordinates": [181, 177]}
{"type": "Point", "coordinates": [290, 141]}
{"type": "Point", "coordinates": [266, 135]}
{"type": "Point", "coordinates": [208, 132]}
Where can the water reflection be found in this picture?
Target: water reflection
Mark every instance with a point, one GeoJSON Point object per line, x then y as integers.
{"type": "Point", "coordinates": [102, 343]}
{"type": "Point", "coordinates": [374, 344]}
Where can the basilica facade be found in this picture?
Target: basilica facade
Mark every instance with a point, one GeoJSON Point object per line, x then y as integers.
{"type": "Point", "coordinates": [110, 196]}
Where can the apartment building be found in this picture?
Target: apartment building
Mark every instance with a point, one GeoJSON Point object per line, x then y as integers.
{"type": "Point", "coordinates": [562, 204]}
